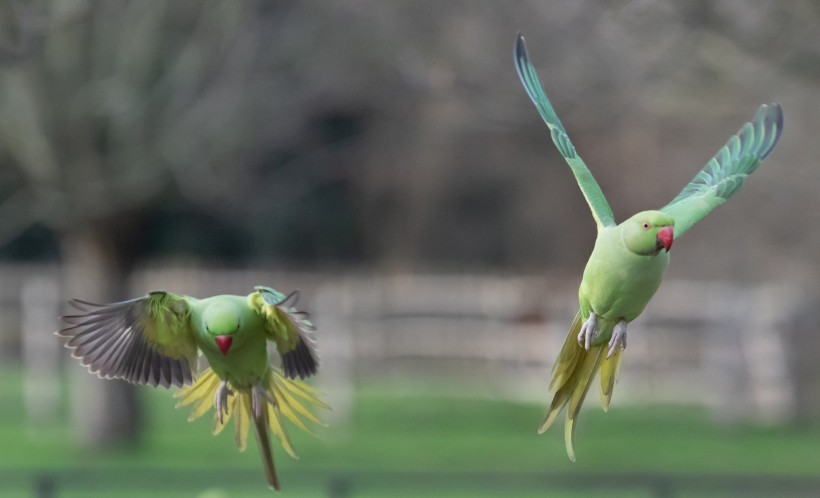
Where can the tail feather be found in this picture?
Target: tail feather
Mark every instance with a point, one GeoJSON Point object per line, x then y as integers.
{"type": "Point", "coordinates": [563, 395]}
{"type": "Point", "coordinates": [558, 402]}
{"type": "Point", "coordinates": [200, 394]}
{"type": "Point", "coordinates": [290, 411]}
{"type": "Point", "coordinates": [241, 420]}
{"type": "Point", "coordinates": [263, 442]}
{"type": "Point", "coordinates": [610, 370]}
{"type": "Point", "coordinates": [572, 376]}
{"type": "Point", "coordinates": [563, 373]}
{"type": "Point", "coordinates": [293, 398]}
{"type": "Point", "coordinates": [279, 431]}
{"type": "Point", "coordinates": [569, 356]}
{"type": "Point", "coordinates": [300, 390]}
{"type": "Point", "coordinates": [586, 374]}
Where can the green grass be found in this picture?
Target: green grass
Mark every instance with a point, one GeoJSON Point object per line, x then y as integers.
{"type": "Point", "coordinates": [395, 445]}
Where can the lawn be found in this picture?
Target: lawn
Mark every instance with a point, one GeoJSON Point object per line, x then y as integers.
{"type": "Point", "coordinates": [421, 446]}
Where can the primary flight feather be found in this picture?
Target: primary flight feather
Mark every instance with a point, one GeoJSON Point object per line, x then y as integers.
{"type": "Point", "coordinates": [629, 259]}
{"type": "Point", "coordinates": [156, 339]}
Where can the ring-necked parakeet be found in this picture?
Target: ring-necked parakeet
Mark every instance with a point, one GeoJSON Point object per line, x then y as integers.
{"type": "Point", "coordinates": [628, 260]}
{"type": "Point", "coordinates": [155, 339]}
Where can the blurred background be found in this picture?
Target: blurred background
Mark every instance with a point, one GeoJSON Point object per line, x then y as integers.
{"type": "Point", "coordinates": [384, 159]}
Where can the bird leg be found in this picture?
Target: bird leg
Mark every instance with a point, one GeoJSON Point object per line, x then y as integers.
{"type": "Point", "coordinates": [618, 340]}
{"type": "Point", "coordinates": [588, 331]}
{"type": "Point", "coordinates": [257, 394]}
{"type": "Point", "coordinates": [221, 400]}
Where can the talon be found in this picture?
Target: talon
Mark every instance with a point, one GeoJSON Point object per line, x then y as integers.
{"type": "Point", "coordinates": [588, 331]}
{"type": "Point", "coordinates": [257, 395]}
{"type": "Point", "coordinates": [221, 400]}
{"type": "Point", "coordinates": [268, 396]}
{"type": "Point", "coordinates": [256, 400]}
{"type": "Point", "coordinates": [618, 340]}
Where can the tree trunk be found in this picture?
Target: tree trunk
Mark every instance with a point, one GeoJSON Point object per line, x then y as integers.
{"type": "Point", "coordinates": [104, 413]}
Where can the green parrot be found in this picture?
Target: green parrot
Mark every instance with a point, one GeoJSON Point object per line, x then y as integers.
{"type": "Point", "coordinates": [155, 340]}
{"type": "Point", "coordinates": [628, 260]}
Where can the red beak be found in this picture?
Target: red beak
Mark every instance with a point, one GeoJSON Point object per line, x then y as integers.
{"type": "Point", "coordinates": [223, 342]}
{"type": "Point", "coordinates": [666, 236]}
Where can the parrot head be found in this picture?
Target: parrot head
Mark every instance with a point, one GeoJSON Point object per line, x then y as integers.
{"type": "Point", "coordinates": [221, 320]}
{"type": "Point", "coordinates": [649, 232]}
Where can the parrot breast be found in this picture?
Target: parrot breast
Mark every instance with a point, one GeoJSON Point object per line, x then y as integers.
{"type": "Point", "coordinates": [617, 283]}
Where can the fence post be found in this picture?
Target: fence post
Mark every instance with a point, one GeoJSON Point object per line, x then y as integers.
{"type": "Point", "coordinates": [333, 315]}
{"type": "Point", "coordinates": [40, 306]}
{"type": "Point", "coordinates": [770, 384]}
{"type": "Point", "coordinates": [724, 352]}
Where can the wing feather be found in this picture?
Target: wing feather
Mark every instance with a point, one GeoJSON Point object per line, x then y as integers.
{"type": "Point", "coordinates": [289, 328]}
{"type": "Point", "coordinates": [589, 187]}
{"type": "Point", "coordinates": [724, 174]}
{"type": "Point", "coordinates": [143, 341]}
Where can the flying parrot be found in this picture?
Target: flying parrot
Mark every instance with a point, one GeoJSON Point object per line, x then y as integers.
{"type": "Point", "coordinates": [155, 340]}
{"type": "Point", "coordinates": [628, 260]}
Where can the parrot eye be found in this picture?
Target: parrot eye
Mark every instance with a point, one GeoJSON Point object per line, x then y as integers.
{"type": "Point", "coordinates": [645, 225]}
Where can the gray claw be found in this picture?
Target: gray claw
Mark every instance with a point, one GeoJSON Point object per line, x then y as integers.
{"type": "Point", "coordinates": [221, 400]}
{"type": "Point", "coordinates": [256, 401]}
{"type": "Point", "coordinates": [588, 331]}
{"type": "Point", "coordinates": [618, 340]}
{"type": "Point", "coordinates": [257, 394]}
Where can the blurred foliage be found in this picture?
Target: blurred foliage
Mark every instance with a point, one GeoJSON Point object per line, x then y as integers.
{"type": "Point", "coordinates": [141, 119]}
{"type": "Point", "coordinates": [395, 134]}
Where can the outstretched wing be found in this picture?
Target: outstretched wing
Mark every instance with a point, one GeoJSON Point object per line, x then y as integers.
{"type": "Point", "coordinates": [289, 328]}
{"type": "Point", "coordinates": [143, 341]}
{"type": "Point", "coordinates": [724, 173]}
{"type": "Point", "coordinates": [592, 192]}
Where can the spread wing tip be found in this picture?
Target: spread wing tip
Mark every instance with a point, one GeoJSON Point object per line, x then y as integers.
{"type": "Point", "coordinates": [109, 341]}
{"type": "Point", "coordinates": [302, 361]}
{"type": "Point", "coordinates": [771, 115]}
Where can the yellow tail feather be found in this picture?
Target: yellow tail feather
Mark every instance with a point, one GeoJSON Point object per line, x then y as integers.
{"type": "Point", "coordinates": [199, 394]}
{"type": "Point", "coordinates": [241, 420]}
{"type": "Point", "coordinates": [586, 374]}
{"type": "Point", "coordinates": [569, 356]}
{"type": "Point", "coordinates": [610, 370]}
{"type": "Point", "coordinates": [293, 398]}
{"type": "Point", "coordinates": [564, 373]}
{"type": "Point", "coordinates": [279, 431]}
{"type": "Point", "coordinates": [572, 376]}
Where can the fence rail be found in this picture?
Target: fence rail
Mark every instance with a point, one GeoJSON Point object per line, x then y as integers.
{"type": "Point", "coordinates": [716, 344]}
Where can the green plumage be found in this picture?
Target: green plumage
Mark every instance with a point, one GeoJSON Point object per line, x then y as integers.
{"type": "Point", "coordinates": [589, 187]}
{"type": "Point", "coordinates": [628, 261]}
{"type": "Point", "coordinates": [724, 173]}
{"type": "Point", "coordinates": [154, 340]}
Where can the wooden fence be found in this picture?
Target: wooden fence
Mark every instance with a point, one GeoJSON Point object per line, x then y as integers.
{"type": "Point", "coordinates": [716, 344]}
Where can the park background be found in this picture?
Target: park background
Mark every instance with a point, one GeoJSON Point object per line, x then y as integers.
{"type": "Point", "coordinates": [384, 159]}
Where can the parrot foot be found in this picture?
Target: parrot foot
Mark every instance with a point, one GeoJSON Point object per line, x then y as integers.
{"type": "Point", "coordinates": [221, 400]}
{"type": "Point", "coordinates": [588, 331]}
{"type": "Point", "coordinates": [257, 394]}
{"type": "Point", "coordinates": [618, 340]}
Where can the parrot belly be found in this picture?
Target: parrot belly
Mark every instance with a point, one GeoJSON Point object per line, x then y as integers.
{"type": "Point", "coordinates": [243, 366]}
{"type": "Point", "coordinates": [617, 283]}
